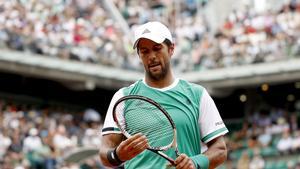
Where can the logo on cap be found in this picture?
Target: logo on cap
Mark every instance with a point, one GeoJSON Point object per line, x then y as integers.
{"type": "Point", "coordinates": [146, 31]}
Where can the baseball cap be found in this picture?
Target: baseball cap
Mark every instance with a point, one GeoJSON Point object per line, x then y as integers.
{"type": "Point", "coordinates": [154, 31]}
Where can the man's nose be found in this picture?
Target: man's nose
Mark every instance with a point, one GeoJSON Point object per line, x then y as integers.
{"type": "Point", "coordinates": [152, 55]}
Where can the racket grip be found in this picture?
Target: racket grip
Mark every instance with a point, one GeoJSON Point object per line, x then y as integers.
{"type": "Point", "coordinates": [164, 156]}
{"type": "Point", "coordinates": [177, 152]}
{"type": "Point", "coordinates": [170, 160]}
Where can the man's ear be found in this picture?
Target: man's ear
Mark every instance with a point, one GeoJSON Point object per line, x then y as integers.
{"type": "Point", "coordinates": [171, 48]}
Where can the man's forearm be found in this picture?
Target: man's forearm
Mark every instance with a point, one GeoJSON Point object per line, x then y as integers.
{"type": "Point", "coordinates": [103, 156]}
{"type": "Point", "coordinates": [216, 153]}
{"type": "Point", "coordinates": [216, 158]}
{"type": "Point", "coordinates": [109, 158]}
{"type": "Point", "coordinates": [109, 143]}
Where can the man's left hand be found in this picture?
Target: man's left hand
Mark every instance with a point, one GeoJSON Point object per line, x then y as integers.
{"type": "Point", "coordinates": [184, 162]}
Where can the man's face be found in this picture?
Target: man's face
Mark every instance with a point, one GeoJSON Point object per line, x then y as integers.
{"type": "Point", "coordinates": [155, 57]}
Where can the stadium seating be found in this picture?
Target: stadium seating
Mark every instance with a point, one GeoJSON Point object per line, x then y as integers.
{"type": "Point", "coordinates": [85, 31]}
{"type": "Point", "coordinates": [271, 155]}
{"type": "Point", "coordinates": [54, 132]}
{"type": "Point", "coordinates": [88, 33]}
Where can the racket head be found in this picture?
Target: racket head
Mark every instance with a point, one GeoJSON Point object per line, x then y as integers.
{"type": "Point", "coordinates": [138, 114]}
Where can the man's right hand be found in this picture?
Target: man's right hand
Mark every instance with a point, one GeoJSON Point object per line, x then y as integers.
{"type": "Point", "coordinates": [132, 146]}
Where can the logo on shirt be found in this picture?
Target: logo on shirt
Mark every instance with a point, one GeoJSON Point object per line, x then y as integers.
{"type": "Point", "coordinates": [219, 123]}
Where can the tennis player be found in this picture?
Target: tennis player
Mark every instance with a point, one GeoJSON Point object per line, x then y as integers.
{"type": "Point", "coordinates": [200, 128]}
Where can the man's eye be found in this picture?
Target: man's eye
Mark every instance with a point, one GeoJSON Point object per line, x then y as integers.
{"type": "Point", "coordinates": [144, 51]}
{"type": "Point", "coordinates": [157, 48]}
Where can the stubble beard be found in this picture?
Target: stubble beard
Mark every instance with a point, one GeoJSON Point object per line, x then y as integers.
{"type": "Point", "coordinates": [159, 76]}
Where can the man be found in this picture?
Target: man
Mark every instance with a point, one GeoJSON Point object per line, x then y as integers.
{"type": "Point", "coordinates": [199, 125]}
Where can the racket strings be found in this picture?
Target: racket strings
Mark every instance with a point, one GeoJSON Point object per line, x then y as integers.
{"type": "Point", "coordinates": [154, 132]}
{"type": "Point", "coordinates": [143, 126]}
{"type": "Point", "coordinates": [154, 135]}
{"type": "Point", "coordinates": [138, 116]}
{"type": "Point", "coordinates": [155, 129]}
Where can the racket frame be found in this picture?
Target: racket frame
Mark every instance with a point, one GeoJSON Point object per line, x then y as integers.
{"type": "Point", "coordinates": [157, 150]}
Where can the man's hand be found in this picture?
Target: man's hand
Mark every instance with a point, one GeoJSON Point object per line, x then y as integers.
{"type": "Point", "coordinates": [132, 146]}
{"type": "Point", "coordinates": [184, 162]}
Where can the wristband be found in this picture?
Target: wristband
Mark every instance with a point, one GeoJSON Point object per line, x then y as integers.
{"type": "Point", "coordinates": [200, 161]}
{"type": "Point", "coordinates": [113, 157]}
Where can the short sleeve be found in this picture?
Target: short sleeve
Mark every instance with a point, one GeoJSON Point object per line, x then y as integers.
{"type": "Point", "coordinates": [210, 121]}
{"type": "Point", "coordinates": [109, 125]}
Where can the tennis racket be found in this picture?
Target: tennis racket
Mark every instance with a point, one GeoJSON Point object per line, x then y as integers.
{"type": "Point", "coordinates": [138, 114]}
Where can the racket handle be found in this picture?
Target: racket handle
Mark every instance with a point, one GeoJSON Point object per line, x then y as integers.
{"type": "Point", "coordinates": [164, 156]}
{"type": "Point", "coordinates": [177, 152]}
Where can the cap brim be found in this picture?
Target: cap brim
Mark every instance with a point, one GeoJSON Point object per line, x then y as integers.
{"type": "Point", "coordinates": [154, 38]}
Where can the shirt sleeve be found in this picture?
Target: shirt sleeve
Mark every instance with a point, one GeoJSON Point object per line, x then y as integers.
{"type": "Point", "coordinates": [210, 121]}
{"type": "Point", "coordinates": [109, 125]}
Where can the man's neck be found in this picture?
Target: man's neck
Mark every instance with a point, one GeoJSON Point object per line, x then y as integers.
{"type": "Point", "coordinates": [162, 83]}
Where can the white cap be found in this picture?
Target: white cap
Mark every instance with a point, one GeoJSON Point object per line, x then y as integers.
{"type": "Point", "coordinates": [154, 31]}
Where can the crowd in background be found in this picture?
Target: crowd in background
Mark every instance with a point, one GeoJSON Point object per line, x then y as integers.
{"type": "Point", "coordinates": [245, 37]}
{"type": "Point", "coordinates": [68, 29]}
{"type": "Point", "coordinates": [85, 31]}
{"type": "Point", "coordinates": [266, 134]}
{"type": "Point", "coordinates": [33, 136]}
{"type": "Point", "coordinates": [40, 137]}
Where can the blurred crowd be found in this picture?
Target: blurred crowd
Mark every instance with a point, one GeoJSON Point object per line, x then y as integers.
{"type": "Point", "coordinates": [245, 37]}
{"type": "Point", "coordinates": [270, 138]}
{"type": "Point", "coordinates": [39, 137]}
{"type": "Point", "coordinates": [69, 29]}
{"type": "Point", "coordinates": [249, 37]}
{"type": "Point", "coordinates": [84, 30]}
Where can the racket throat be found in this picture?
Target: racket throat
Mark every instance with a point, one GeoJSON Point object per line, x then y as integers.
{"type": "Point", "coordinates": [177, 152]}
{"type": "Point", "coordinates": [164, 156]}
